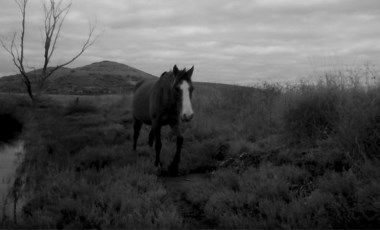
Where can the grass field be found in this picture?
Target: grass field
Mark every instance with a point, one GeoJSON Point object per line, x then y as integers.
{"type": "Point", "coordinates": [304, 156]}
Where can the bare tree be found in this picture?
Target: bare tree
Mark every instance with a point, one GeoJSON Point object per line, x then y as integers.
{"type": "Point", "coordinates": [54, 16]}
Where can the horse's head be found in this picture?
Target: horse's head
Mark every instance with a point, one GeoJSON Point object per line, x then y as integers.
{"type": "Point", "coordinates": [183, 89]}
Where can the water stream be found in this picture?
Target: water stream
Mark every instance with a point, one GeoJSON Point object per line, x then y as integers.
{"type": "Point", "coordinates": [11, 155]}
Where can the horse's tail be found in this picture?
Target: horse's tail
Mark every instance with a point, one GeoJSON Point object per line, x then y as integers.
{"type": "Point", "coordinates": [138, 84]}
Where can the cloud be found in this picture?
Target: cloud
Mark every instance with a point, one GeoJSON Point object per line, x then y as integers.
{"type": "Point", "coordinates": [227, 41]}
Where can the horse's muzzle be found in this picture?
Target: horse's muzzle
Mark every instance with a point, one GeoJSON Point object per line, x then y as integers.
{"type": "Point", "coordinates": [187, 117]}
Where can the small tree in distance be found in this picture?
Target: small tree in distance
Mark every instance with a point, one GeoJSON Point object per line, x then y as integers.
{"type": "Point", "coordinates": [54, 16]}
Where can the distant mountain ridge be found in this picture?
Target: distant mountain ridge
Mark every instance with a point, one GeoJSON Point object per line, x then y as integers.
{"type": "Point", "coordinates": [105, 77]}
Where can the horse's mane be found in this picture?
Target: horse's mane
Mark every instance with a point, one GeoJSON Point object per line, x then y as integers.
{"type": "Point", "coordinates": [163, 74]}
{"type": "Point", "coordinates": [138, 84]}
{"type": "Point", "coordinates": [166, 77]}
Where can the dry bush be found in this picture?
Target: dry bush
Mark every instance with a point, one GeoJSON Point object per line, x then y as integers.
{"type": "Point", "coordinates": [287, 197]}
{"type": "Point", "coordinates": [312, 112]}
{"type": "Point", "coordinates": [201, 156]}
{"type": "Point", "coordinates": [358, 130]}
{"type": "Point", "coordinates": [235, 111]}
{"type": "Point", "coordinates": [343, 106]}
{"type": "Point", "coordinates": [111, 198]}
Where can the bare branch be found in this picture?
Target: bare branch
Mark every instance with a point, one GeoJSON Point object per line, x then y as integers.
{"type": "Point", "coordinates": [10, 50]}
{"type": "Point", "coordinates": [66, 10]}
{"type": "Point", "coordinates": [23, 12]}
{"type": "Point", "coordinates": [53, 24]}
{"type": "Point", "coordinates": [21, 4]}
{"type": "Point", "coordinates": [89, 42]}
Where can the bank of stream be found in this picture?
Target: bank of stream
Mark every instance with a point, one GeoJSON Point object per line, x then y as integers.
{"type": "Point", "coordinates": [11, 156]}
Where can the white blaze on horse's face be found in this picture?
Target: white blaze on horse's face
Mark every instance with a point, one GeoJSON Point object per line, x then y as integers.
{"type": "Point", "coordinates": [187, 110]}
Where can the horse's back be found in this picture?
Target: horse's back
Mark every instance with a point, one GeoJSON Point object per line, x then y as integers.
{"type": "Point", "coordinates": [140, 103]}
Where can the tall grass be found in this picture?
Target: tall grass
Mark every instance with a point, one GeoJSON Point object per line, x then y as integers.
{"type": "Point", "coordinates": [346, 111]}
{"type": "Point", "coordinates": [311, 111]}
{"type": "Point", "coordinates": [237, 112]}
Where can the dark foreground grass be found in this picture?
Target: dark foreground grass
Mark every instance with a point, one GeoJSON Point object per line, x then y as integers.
{"type": "Point", "coordinates": [79, 172]}
{"type": "Point", "coordinates": [301, 157]}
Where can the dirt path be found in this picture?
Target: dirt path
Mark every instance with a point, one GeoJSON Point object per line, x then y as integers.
{"type": "Point", "coordinates": [176, 186]}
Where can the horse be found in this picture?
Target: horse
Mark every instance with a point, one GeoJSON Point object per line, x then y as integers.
{"type": "Point", "coordinates": [166, 101]}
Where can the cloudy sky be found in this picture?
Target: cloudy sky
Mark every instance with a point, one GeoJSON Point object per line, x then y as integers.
{"type": "Point", "coordinates": [230, 41]}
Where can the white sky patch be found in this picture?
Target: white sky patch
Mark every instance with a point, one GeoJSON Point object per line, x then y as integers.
{"type": "Point", "coordinates": [259, 50]}
{"type": "Point", "coordinates": [191, 30]}
{"type": "Point", "coordinates": [165, 53]}
{"type": "Point", "coordinates": [203, 44]}
{"type": "Point", "coordinates": [227, 41]}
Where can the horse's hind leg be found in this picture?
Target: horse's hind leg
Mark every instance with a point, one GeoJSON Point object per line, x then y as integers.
{"type": "Point", "coordinates": [136, 131]}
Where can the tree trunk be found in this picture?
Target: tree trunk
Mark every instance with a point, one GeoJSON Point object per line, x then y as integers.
{"type": "Point", "coordinates": [28, 87]}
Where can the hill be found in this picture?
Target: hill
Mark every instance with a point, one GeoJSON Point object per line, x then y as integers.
{"type": "Point", "coordinates": [104, 77]}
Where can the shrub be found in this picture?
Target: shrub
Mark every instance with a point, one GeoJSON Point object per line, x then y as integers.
{"type": "Point", "coordinates": [124, 197]}
{"type": "Point", "coordinates": [222, 206]}
{"type": "Point", "coordinates": [199, 193]}
{"type": "Point", "coordinates": [368, 205]}
{"type": "Point", "coordinates": [253, 199]}
{"type": "Point", "coordinates": [339, 201]}
{"type": "Point", "coordinates": [307, 212]}
{"type": "Point", "coordinates": [316, 161]}
{"type": "Point", "coordinates": [226, 178]}
{"type": "Point", "coordinates": [312, 113]}
{"type": "Point", "coordinates": [202, 156]}
{"type": "Point", "coordinates": [237, 112]}
{"type": "Point", "coordinates": [275, 197]}
{"type": "Point", "coordinates": [359, 128]}
{"type": "Point", "coordinates": [343, 189]}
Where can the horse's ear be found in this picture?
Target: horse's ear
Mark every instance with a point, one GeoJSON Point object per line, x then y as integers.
{"type": "Point", "coordinates": [189, 73]}
{"type": "Point", "coordinates": [175, 70]}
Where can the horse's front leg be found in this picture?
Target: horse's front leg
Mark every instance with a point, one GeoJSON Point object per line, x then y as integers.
{"type": "Point", "coordinates": [173, 168]}
{"type": "Point", "coordinates": [156, 130]}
